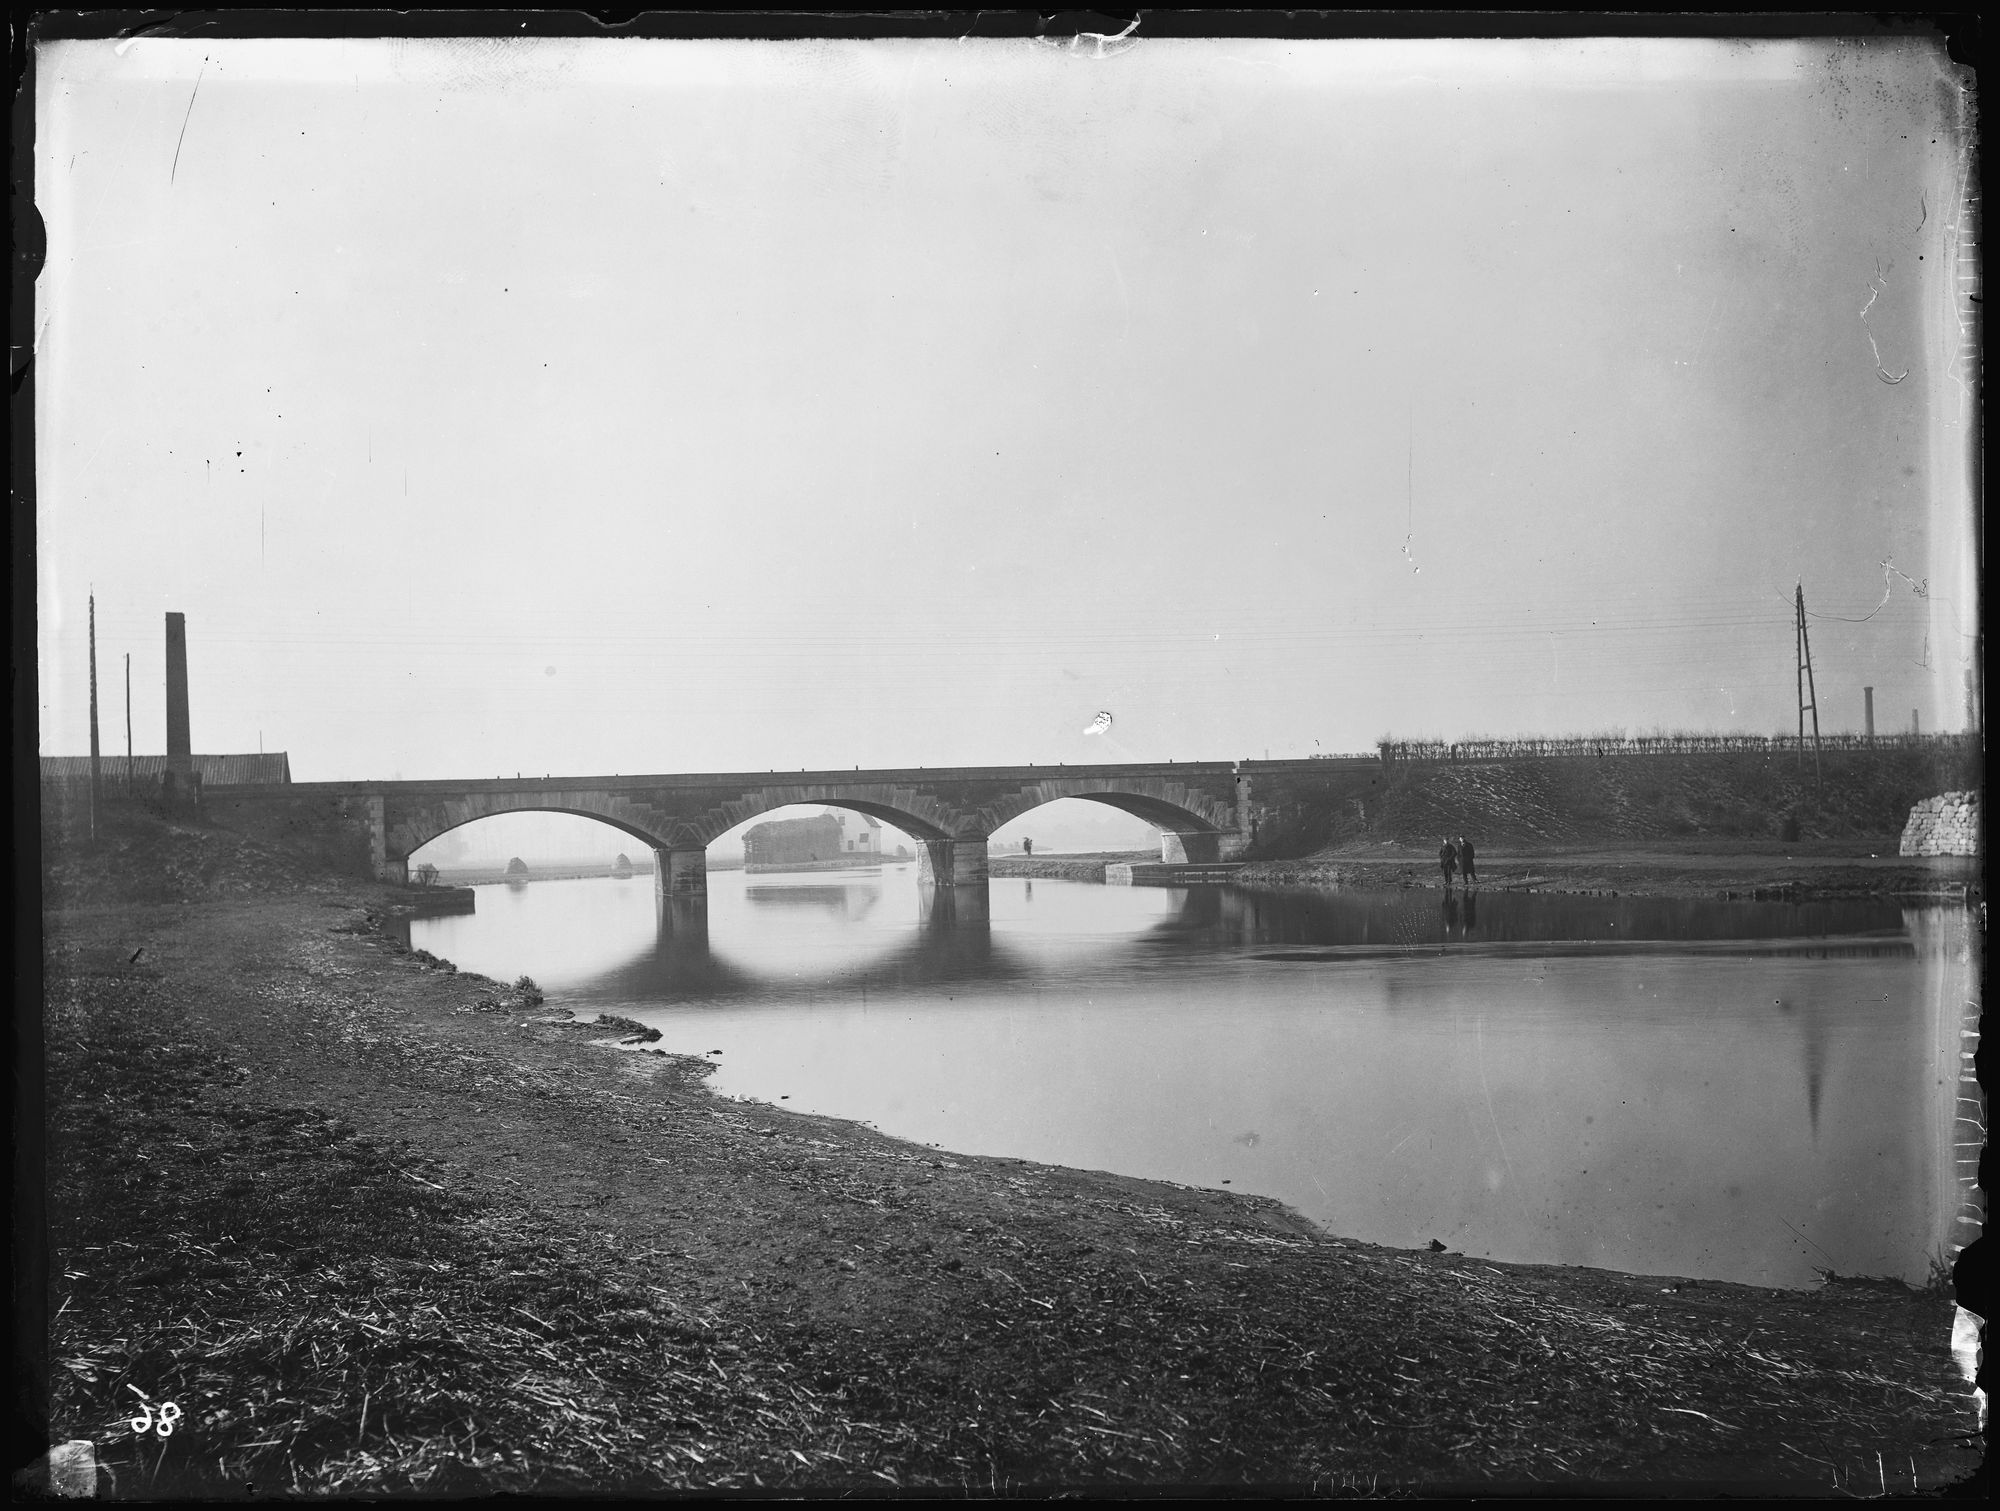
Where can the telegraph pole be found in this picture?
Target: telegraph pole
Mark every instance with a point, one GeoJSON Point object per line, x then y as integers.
{"type": "Point", "coordinates": [128, 724]}
{"type": "Point", "coordinates": [1808, 699]}
{"type": "Point", "coordinates": [93, 716]}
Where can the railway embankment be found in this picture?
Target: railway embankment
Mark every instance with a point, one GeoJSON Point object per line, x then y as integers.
{"type": "Point", "coordinates": [1857, 798]}
{"type": "Point", "coordinates": [1728, 824]}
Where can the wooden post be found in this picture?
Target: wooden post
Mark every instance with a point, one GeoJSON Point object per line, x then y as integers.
{"type": "Point", "coordinates": [1808, 696]}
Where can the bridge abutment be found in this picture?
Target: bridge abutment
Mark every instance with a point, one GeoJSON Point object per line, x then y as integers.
{"type": "Point", "coordinates": [1201, 847]}
{"type": "Point", "coordinates": [952, 862]}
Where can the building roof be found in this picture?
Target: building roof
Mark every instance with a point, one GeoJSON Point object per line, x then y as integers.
{"type": "Point", "coordinates": [274, 766]}
{"type": "Point", "coordinates": [771, 828]}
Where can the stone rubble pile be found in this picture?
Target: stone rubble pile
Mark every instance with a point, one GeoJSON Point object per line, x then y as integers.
{"type": "Point", "coordinates": [1944, 825]}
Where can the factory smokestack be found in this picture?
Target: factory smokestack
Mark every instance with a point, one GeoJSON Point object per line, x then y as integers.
{"type": "Point", "coordinates": [180, 749]}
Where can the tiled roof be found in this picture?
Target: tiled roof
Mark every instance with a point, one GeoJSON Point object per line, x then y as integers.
{"type": "Point", "coordinates": [274, 766]}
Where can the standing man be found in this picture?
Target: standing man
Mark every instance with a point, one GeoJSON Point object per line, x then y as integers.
{"type": "Point", "coordinates": [1027, 847]}
{"type": "Point", "coordinates": [1465, 860]}
{"type": "Point", "coordinates": [1447, 862]}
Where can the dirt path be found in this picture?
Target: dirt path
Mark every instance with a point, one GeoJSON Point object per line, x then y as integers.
{"type": "Point", "coordinates": [376, 1226]}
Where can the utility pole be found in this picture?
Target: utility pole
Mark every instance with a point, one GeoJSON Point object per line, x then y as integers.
{"type": "Point", "coordinates": [1808, 699]}
{"type": "Point", "coordinates": [128, 724]}
{"type": "Point", "coordinates": [94, 770]}
{"type": "Point", "coordinates": [1868, 712]}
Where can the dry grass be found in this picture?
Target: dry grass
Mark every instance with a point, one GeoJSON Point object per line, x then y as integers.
{"type": "Point", "coordinates": [331, 1319]}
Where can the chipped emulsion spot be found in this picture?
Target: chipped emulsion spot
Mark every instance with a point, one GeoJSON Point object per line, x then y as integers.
{"type": "Point", "coordinates": [1101, 41]}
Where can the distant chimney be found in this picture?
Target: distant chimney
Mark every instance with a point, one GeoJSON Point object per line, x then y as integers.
{"type": "Point", "coordinates": [180, 750]}
{"type": "Point", "coordinates": [1868, 706]}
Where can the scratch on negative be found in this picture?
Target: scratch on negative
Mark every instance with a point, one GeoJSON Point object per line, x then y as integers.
{"type": "Point", "coordinates": [184, 120]}
{"type": "Point", "coordinates": [1491, 1117]}
{"type": "Point", "coordinates": [1875, 293]}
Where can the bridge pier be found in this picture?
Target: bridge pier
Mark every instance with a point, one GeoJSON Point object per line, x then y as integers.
{"type": "Point", "coordinates": [952, 862]}
{"type": "Point", "coordinates": [1200, 847]}
{"type": "Point", "coordinates": [680, 873]}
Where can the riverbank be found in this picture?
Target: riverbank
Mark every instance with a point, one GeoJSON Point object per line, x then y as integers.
{"type": "Point", "coordinates": [1083, 866]}
{"type": "Point", "coordinates": [1711, 868]}
{"type": "Point", "coordinates": [380, 1226]}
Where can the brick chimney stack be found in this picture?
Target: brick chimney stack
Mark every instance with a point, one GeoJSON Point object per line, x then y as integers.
{"type": "Point", "coordinates": [180, 749]}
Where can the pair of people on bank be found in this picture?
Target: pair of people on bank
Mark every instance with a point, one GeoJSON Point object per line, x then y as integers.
{"type": "Point", "coordinates": [1457, 858]}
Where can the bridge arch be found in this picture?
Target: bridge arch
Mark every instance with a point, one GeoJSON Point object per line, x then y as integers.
{"type": "Point", "coordinates": [1194, 825]}
{"type": "Point", "coordinates": [917, 814]}
{"type": "Point", "coordinates": [407, 827]}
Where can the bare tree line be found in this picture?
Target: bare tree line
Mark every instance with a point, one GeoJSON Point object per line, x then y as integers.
{"type": "Point", "coordinates": [1391, 751]}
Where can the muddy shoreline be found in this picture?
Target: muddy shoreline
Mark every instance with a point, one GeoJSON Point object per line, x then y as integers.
{"type": "Point", "coordinates": [380, 1226]}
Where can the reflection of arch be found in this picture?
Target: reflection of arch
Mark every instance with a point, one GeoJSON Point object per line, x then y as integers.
{"type": "Point", "coordinates": [838, 898]}
{"type": "Point", "coordinates": [952, 941]}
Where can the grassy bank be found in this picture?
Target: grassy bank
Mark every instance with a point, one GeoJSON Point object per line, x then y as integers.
{"type": "Point", "coordinates": [380, 1226]}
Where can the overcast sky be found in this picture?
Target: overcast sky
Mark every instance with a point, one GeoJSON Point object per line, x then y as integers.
{"type": "Point", "coordinates": [624, 406]}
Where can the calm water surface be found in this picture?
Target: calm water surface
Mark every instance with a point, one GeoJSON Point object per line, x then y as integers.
{"type": "Point", "coordinates": [1741, 1091]}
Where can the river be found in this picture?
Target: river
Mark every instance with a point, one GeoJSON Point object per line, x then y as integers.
{"type": "Point", "coordinates": [1734, 1091]}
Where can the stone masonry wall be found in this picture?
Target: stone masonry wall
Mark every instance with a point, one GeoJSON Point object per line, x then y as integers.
{"type": "Point", "coordinates": [341, 833]}
{"type": "Point", "coordinates": [1944, 825]}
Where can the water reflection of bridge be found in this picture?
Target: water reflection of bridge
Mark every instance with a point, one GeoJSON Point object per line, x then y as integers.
{"type": "Point", "coordinates": [952, 941]}
{"type": "Point", "coordinates": [953, 938]}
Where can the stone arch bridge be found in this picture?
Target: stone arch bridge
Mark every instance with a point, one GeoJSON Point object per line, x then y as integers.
{"type": "Point", "coordinates": [1199, 807]}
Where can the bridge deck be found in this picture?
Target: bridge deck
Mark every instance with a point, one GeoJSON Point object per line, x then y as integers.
{"type": "Point", "coordinates": [896, 776]}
